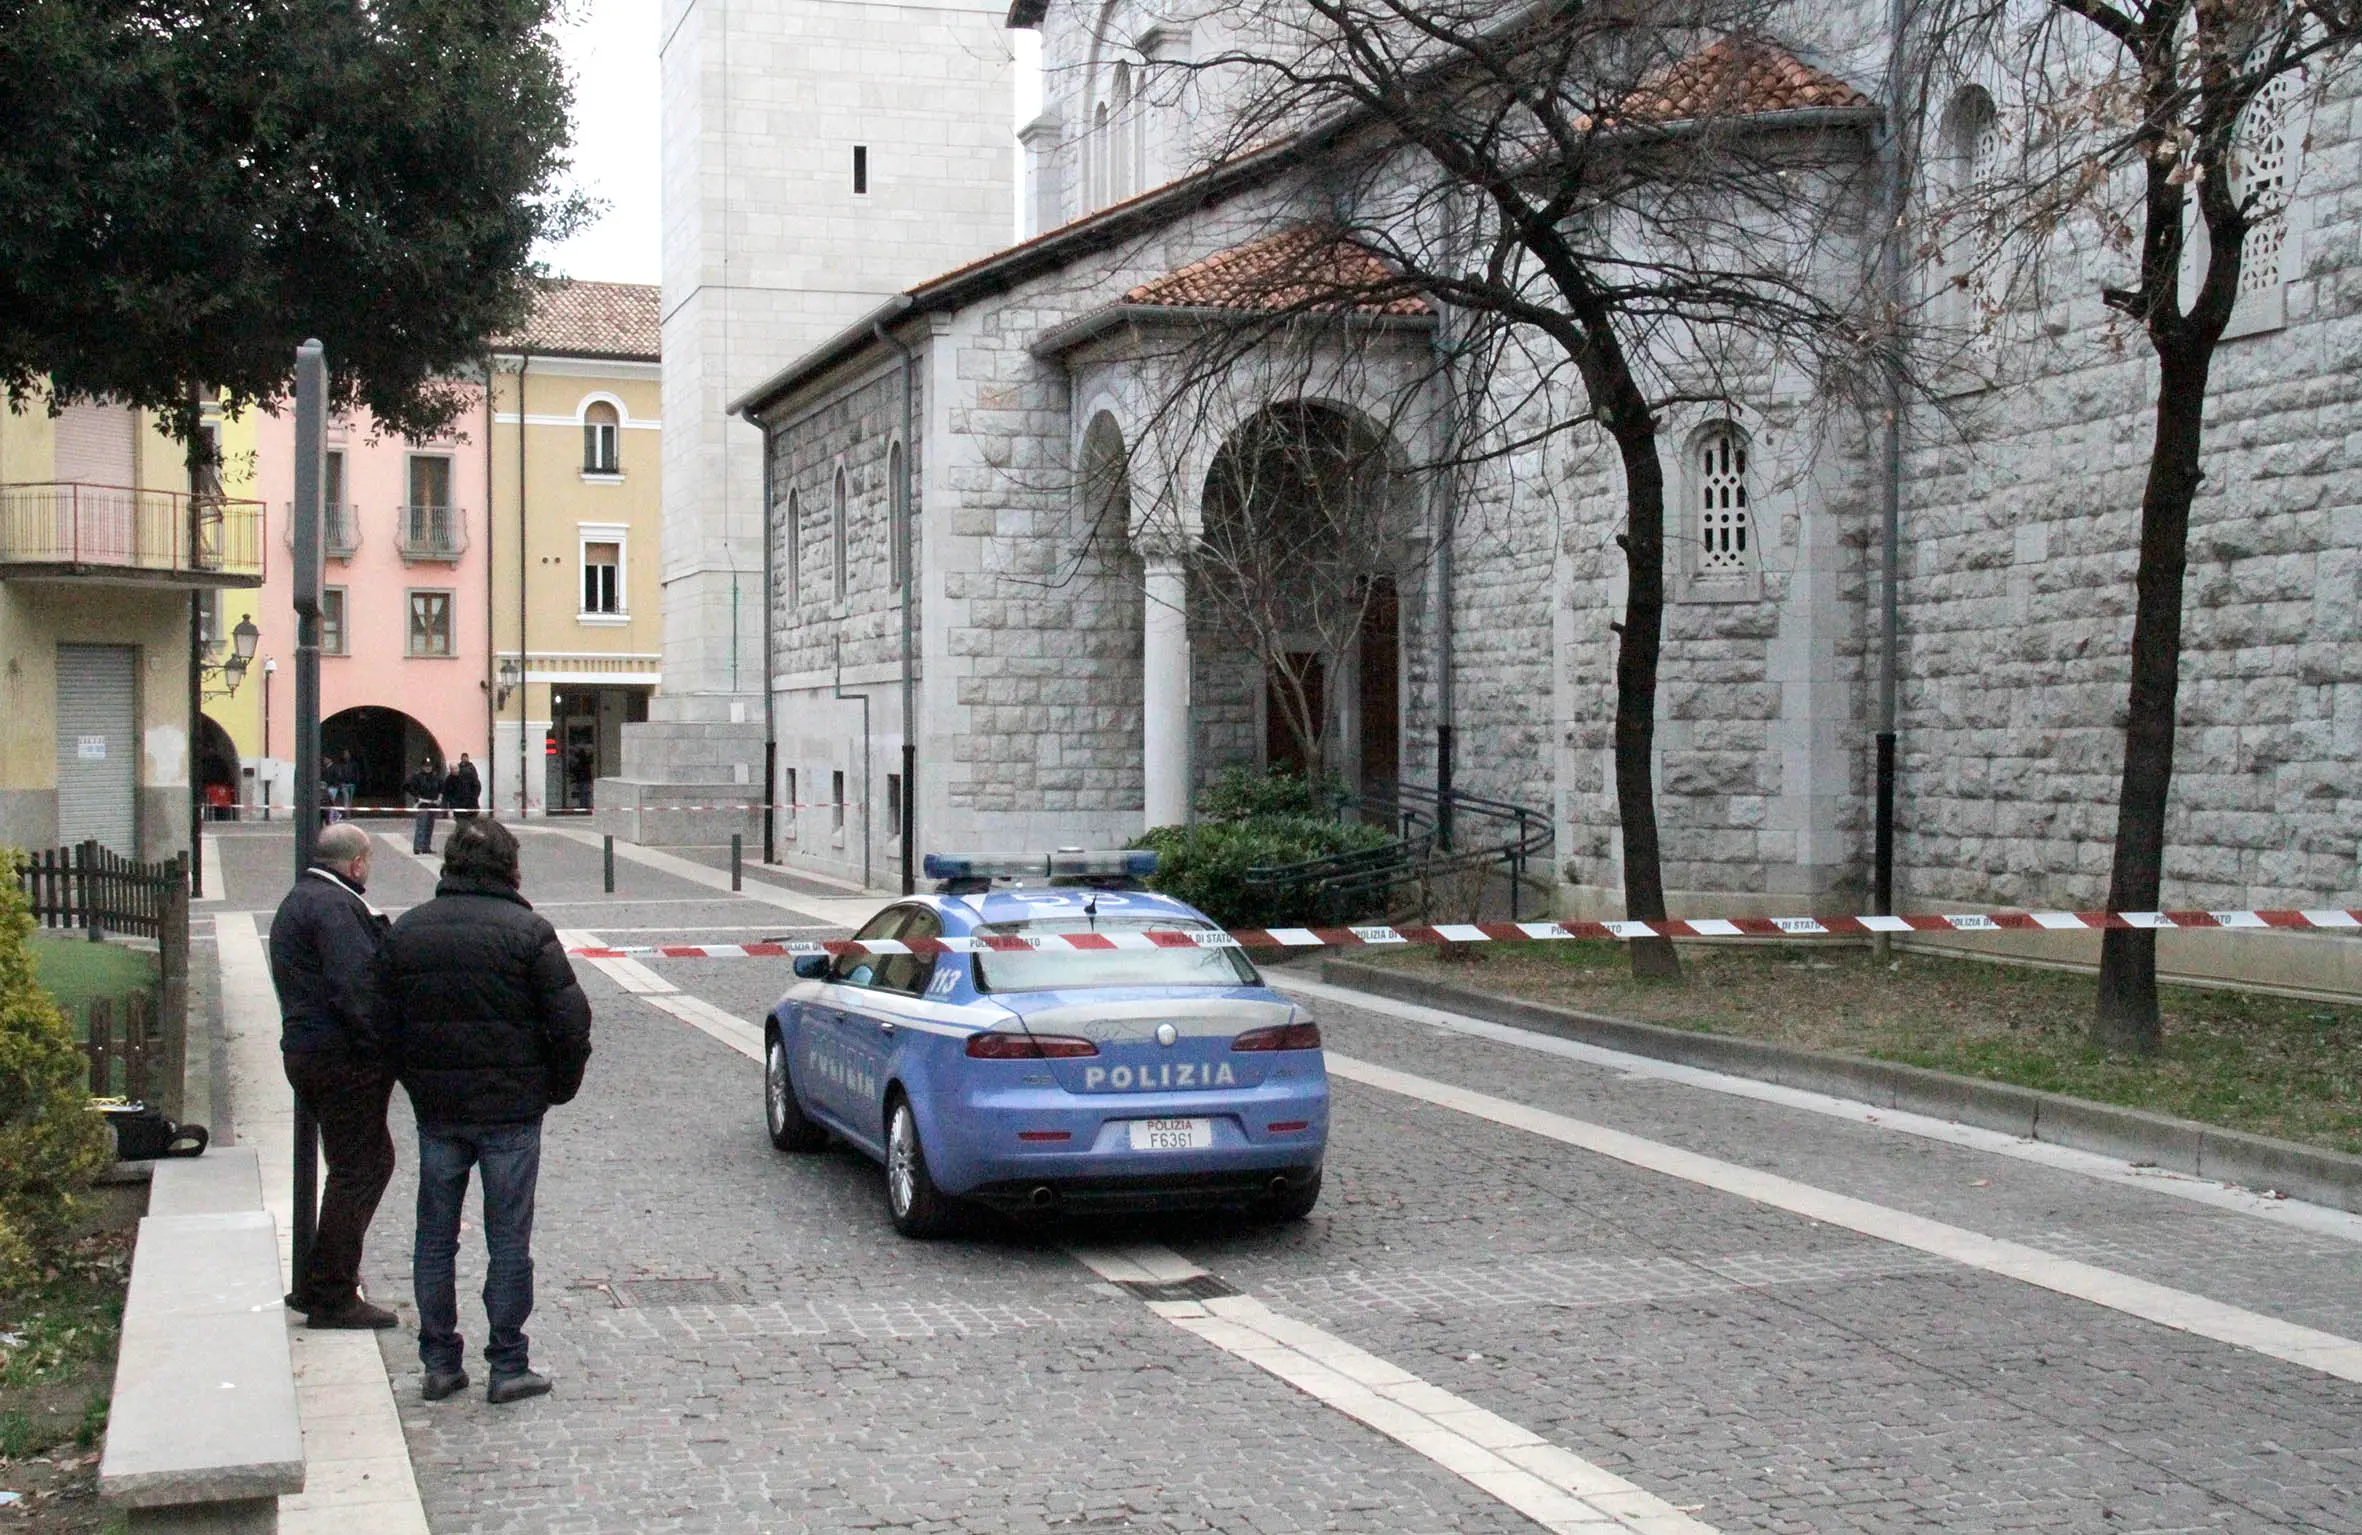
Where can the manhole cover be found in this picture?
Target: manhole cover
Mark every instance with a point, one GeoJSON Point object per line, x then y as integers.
{"type": "Point", "coordinates": [1196, 1287]}
{"type": "Point", "coordinates": [677, 1292]}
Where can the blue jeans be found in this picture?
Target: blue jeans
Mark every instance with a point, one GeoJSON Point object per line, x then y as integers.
{"type": "Point", "coordinates": [509, 1157]}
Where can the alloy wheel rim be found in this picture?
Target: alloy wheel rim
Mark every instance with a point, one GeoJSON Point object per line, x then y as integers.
{"type": "Point", "coordinates": [901, 1160]}
{"type": "Point", "coordinates": [775, 1083]}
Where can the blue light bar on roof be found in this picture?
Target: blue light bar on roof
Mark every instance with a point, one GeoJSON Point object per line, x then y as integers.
{"type": "Point", "coordinates": [1137, 863]}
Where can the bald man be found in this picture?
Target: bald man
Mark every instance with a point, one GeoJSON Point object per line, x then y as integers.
{"type": "Point", "coordinates": [324, 945]}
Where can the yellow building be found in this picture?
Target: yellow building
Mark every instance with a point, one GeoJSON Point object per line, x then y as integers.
{"type": "Point", "coordinates": [111, 575]}
{"type": "Point", "coordinates": [575, 599]}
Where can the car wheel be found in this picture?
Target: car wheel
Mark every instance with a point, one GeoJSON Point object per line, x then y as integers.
{"type": "Point", "coordinates": [791, 1129]}
{"type": "Point", "coordinates": [1298, 1201]}
{"type": "Point", "coordinates": [919, 1209]}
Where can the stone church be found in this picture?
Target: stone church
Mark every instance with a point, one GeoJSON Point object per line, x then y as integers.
{"type": "Point", "coordinates": [982, 511]}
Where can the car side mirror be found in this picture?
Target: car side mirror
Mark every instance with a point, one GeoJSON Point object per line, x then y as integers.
{"type": "Point", "coordinates": [811, 967]}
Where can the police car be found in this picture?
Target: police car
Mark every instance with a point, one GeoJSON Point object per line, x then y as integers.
{"type": "Point", "coordinates": [1058, 1045]}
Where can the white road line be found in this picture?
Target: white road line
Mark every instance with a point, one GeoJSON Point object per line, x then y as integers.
{"type": "Point", "coordinates": [215, 880]}
{"type": "Point", "coordinates": [1556, 1488]}
{"type": "Point", "coordinates": [431, 862]}
{"type": "Point", "coordinates": [2168, 1307]}
{"type": "Point", "coordinates": [2319, 1220]}
{"type": "Point", "coordinates": [732, 1030]}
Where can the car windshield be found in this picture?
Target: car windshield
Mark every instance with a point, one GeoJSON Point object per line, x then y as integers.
{"type": "Point", "coordinates": [1090, 969]}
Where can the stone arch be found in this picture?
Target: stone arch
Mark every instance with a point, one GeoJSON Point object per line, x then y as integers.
{"type": "Point", "coordinates": [386, 745]}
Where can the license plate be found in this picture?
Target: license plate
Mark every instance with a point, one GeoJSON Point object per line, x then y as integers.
{"type": "Point", "coordinates": [1172, 1134]}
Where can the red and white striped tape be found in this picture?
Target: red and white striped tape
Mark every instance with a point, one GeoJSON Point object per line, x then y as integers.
{"type": "Point", "coordinates": [2331, 920]}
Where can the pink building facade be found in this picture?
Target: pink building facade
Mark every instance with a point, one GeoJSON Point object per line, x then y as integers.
{"type": "Point", "coordinates": [404, 669]}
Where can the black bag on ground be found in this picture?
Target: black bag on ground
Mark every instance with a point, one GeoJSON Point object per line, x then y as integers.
{"type": "Point", "coordinates": [143, 1134]}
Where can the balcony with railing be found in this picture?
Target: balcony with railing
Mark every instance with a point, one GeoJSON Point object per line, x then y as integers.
{"type": "Point", "coordinates": [431, 534]}
{"type": "Point", "coordinates": [340, 529]}
{"type": "Point", "coordinates": [115, 533]}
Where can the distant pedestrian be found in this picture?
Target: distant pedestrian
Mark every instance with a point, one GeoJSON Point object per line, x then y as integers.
{"type": "Point", "coordinates": [487, 1030]}
{"type": "Point", "coordinates": [426, 796]}
{"type": "Point", "coordinates": [325, 941]}
{"type": "Point", "coordinates": [463, 791]}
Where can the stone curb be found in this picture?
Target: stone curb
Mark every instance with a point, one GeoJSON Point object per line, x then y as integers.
{"type": "Point", "coordinates": [2205, 1151]}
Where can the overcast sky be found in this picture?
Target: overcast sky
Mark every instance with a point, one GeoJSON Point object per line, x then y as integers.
{"type": "Point", "coordinates": [611, 50]}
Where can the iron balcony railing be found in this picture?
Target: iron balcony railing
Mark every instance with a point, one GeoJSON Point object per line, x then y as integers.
{"type": "Point", "coordinates": [431, 533]}
{"type": "Point", "coordinates": [340, 529]}
{"type": "Point", "coordinates": [69, 528]}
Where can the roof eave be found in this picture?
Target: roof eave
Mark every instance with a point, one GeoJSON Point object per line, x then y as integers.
{"type": "Point", "coordinates": [1061, 339]}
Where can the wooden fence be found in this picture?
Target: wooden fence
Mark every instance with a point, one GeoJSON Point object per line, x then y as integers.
{"type": "Point", "coordinates": [105, 894]}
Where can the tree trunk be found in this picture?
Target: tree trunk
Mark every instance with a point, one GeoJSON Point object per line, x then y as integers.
{"type": "Point", "coordinates": [2127, 1015]}
{"type": "Point", "coordinates": [1636, 683]}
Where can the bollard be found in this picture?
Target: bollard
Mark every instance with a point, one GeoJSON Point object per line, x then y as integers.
{"type": "Point", "coordinates": [737, 850]}
{"type": "Point", "coordinates": [609, 855]}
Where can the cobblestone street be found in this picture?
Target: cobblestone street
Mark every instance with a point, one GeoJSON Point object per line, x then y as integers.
{"type": "Point", "coordinates": [742, 1343]}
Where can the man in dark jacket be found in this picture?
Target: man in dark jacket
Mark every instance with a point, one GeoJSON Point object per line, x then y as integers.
{"type": "Point", "coordinates": [463, 790]}
{"type": "Point", "coordinates": [426, 795]}
{"type": "Point", "coordinates": [324, 950]}
{"type": "Point", "coordinates": [487, 1029]}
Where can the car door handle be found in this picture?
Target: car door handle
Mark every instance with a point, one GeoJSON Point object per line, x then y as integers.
{"type": "Point", "coordinates": [885, 1026]}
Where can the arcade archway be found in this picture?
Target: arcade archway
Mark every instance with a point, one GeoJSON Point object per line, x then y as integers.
{"type": "Point", "coordinates": [385, 746]}
{"type": "Point", "coordinates": [217, 769]}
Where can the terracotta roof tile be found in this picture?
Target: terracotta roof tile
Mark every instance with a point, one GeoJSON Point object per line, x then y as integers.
{"type": "Point", "coordinates": [1738, 77]}
{"type": "Point", "coordinates": [593, 319]}
{"type": "Point", "coordinates": [1308, 266]}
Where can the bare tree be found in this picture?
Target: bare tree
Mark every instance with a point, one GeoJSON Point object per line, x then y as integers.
{"type": "Point", "coordinates": [1616, 209]}
{"type": "Point", "coordinates": [2136, 128]}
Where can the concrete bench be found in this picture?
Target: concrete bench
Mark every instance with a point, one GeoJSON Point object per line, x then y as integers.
{"type": "Point", "coordinates": [204, 1434]}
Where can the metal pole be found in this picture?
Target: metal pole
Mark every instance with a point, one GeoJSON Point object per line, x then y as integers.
{"type": "Point", "coordinates": [770, 702]}
{"type": "Point", "coordinates": [904, 526]}
{"type": "Point", "coordinates": [311, 401]}
{"type": "Point", "coordinates": [737, 860]}
{"type": "Point", "coordinates": [196, 734]}
{"type": "Point", "coordinates": [269, 668]}
{"type": "Point", "coordinates": [1893, 190]}
{"type": "Point", "coordinates": [609, 860]}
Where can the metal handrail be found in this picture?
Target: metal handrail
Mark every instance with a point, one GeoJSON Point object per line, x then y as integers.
{"type": "Point", "coordinates": [1419, 852]}
{"type": "Point", "coordinates": [79, 527]}
{"type": "Point", "coordinates": [434, 533]}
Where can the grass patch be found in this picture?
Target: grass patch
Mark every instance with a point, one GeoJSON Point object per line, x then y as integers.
{"type": "Point", "coordinates": [74, 971]}
{"type": "Point", "coordinates": [57, 1367]}
{"type": "Point", "coordinates": [2272, 1065]}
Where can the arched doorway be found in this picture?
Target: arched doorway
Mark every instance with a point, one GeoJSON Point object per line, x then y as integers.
{"type": "Point", "coordinates": [1308, 535]}
{"type": "Point", "coordinates": [385, 746]}
{"type": "Point", "coordinates": [217, 770]}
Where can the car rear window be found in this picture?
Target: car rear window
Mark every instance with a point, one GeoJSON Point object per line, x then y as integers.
{"type": "Point", "coordinates": [1089, 969]}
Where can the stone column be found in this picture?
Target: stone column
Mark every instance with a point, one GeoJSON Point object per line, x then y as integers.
{"type": "Point", "coordinates": [1164, 693]}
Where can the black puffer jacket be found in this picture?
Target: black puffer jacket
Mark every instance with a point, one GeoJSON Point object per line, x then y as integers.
{"type": "Point", "coordinates": [324, 943]}
{"type": "Point", "coordinates": [482, 1018]}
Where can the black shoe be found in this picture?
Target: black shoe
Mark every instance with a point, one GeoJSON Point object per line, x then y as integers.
{"type": "Point", "coordinates": [442, 1383]}
{"type": "Point", "coordinates": [517, 1387]}
{"type": "Point", "coordinates": [299, 1303]}
{"type": "Point", "coordinates": [354, 1315]}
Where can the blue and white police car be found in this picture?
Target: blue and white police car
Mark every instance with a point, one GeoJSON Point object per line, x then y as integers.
{"type": "Point", "coordinates": [1038, 1035]}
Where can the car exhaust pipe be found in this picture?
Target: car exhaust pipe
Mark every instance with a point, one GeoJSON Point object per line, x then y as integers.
{"type": "Point", "coordinates": [1279, 1186]}
{"type": "Point", "coordinates": [1043, 1196]}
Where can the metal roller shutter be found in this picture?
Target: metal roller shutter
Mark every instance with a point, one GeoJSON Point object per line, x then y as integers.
{"type": "Point", "coordinates": [98, 745]}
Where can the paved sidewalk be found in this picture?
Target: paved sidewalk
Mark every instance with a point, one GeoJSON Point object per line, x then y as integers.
{"type": "Point", "coordinates": [357, 1476]}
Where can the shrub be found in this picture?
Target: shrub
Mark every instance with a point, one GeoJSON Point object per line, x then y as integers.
{"type": "Point", "coordinates": [51, 1145]}
{"type": "Point", "coordinates": [1250, 820]}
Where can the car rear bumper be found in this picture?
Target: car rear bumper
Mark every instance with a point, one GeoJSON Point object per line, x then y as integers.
{"type": "Point", "coordinates": [1173, 1190]}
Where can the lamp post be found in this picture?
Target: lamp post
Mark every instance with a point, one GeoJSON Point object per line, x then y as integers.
{"type": "Point", "coordinates": [512, 677]}
{"type": "Point", "coordinates": [311, 462]}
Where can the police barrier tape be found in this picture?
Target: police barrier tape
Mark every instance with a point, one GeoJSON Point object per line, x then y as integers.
{"type": "Point", "coordinates": [1503, 932]}
{"type": "Point", "coordinates": [541, 812]}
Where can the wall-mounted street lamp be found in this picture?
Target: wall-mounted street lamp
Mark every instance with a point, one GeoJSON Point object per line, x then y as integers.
{"type": "Point", "coordinates": [512, 676]}
{"type": "Point", "coordinates": [232, 667]}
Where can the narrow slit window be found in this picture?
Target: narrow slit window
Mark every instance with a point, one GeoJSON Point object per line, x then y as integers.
{"type": "Point", "coordinates": [893, 804]}
{"type": "Point", "coordinates": [836, 801]}
{"type": "Point", "coordinates": [1726, 521]}
{"type": "Point", "coordinates": [861, 170]}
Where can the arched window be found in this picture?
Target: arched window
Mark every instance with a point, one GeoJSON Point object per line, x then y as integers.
{"type": "Point", "coordinates": [602, 427]}
{"type": "Point", "coordinates": [1106, 479]}
{"type": "Point", "coordinates": [898, 533]}
{"type": "Point", "coordinates": [836, 535]}
{"type": "Point", "coordinates": [1974, 285]}
{"type": "Point", "coordinates": [1725, 525]}
{"type": "Point", "coordinates": [793, 564]}
{"type": "Point", "coordinates": [2263, 167]}
{"type": "Point", "coordinates": [1124, 125]}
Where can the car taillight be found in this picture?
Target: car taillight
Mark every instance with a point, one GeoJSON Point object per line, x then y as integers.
{"type": "Point", "coordinates": [1289, 1036]}
{"type": "Point", "coordinates": [1027, 1047]}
